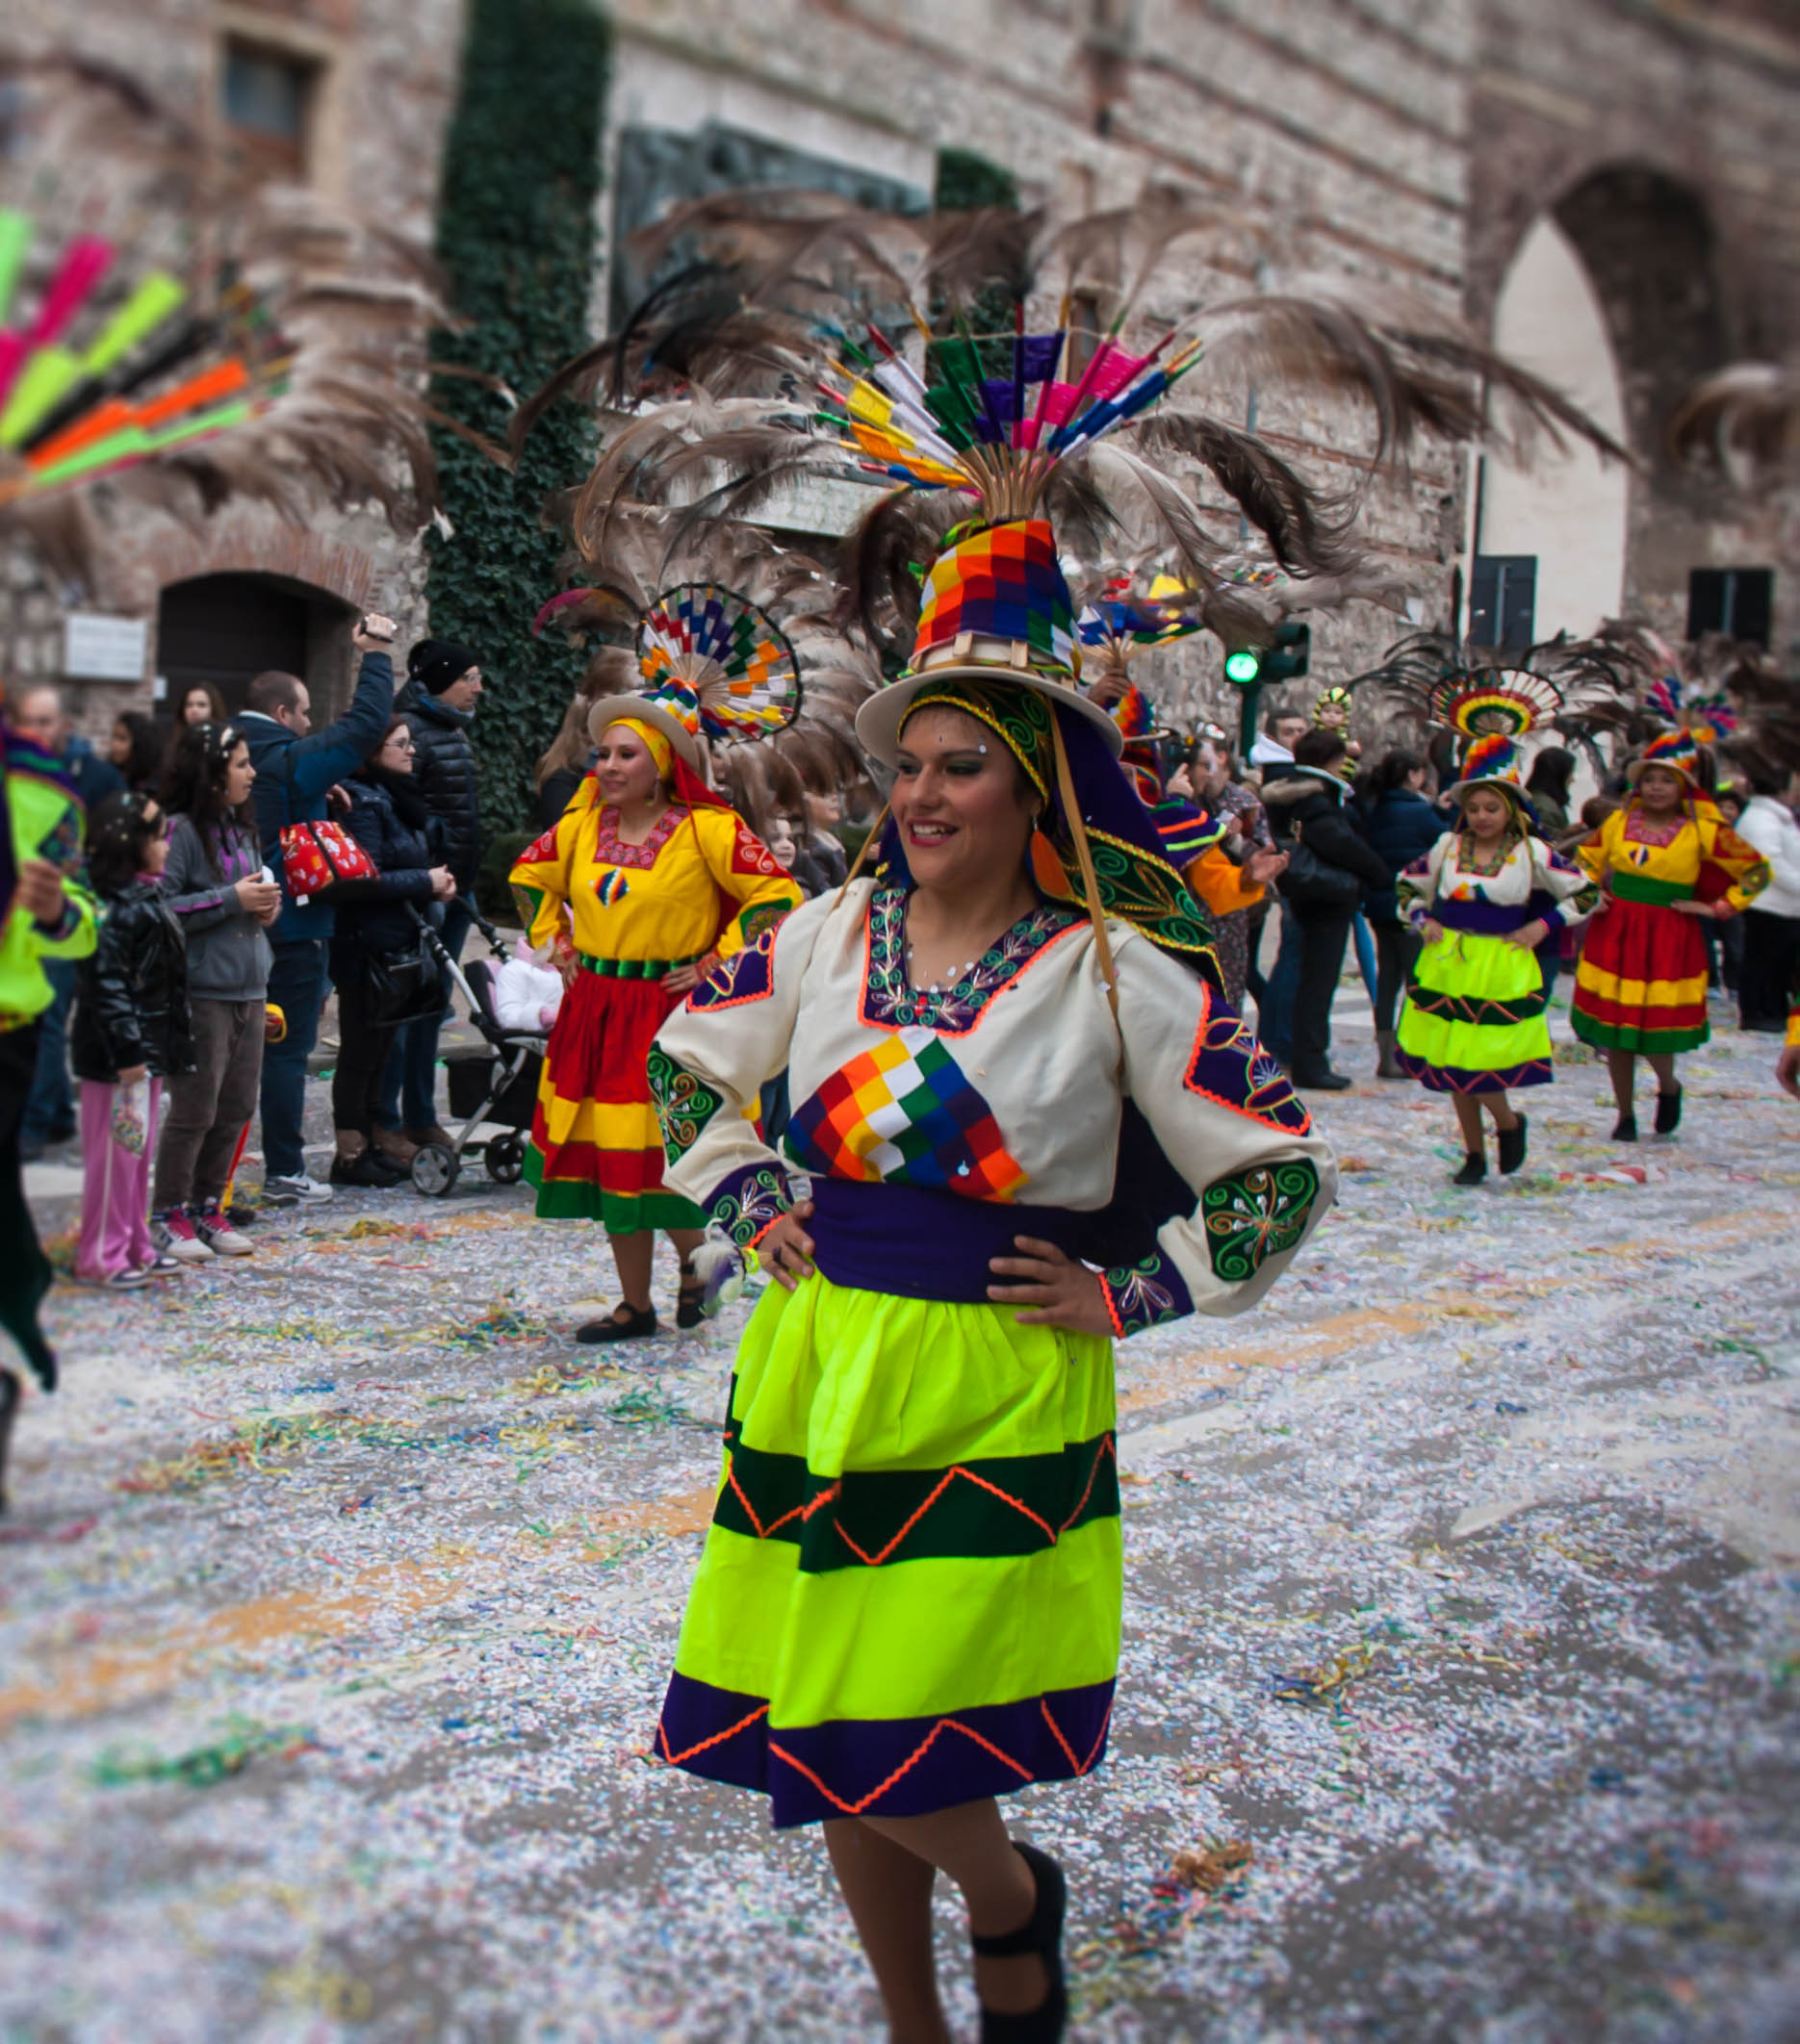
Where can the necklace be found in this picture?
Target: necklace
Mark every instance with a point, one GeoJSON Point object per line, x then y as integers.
{"type": "Point", "coordinates": [942, 985]}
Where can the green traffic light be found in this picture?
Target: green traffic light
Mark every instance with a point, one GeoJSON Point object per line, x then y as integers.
{"type": "Point", "coordinates": [1243, 666]}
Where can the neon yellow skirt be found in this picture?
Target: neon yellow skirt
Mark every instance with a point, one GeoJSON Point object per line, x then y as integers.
{"type": "Point", "coordinates": [911, 1591]}
{"type": "Point", "coordinates": [1475, 1019]}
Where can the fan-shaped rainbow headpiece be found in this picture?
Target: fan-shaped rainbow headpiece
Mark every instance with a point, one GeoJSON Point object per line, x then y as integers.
{"type": "Point", "coordinates": [1676, 751]}
{"type": "Point", "coordinates": [1512, 701]}
{"type": "Point", "coordinates": [730, 658]}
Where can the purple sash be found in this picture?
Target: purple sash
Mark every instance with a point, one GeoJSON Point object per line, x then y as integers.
{"type": "Point", "coordinates": [916, 1243]}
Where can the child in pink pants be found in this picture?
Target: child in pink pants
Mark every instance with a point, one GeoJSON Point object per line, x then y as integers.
{"type": "Point", "coordinates": [131, 1028]}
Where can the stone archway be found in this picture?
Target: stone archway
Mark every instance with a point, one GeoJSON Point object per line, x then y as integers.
{"type": "Point", "coordinates": [1565, 511]}
{"type": "Point", "coordinates": [220, 629]}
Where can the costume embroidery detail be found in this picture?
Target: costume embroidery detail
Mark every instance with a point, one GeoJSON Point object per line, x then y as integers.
{"type": "Point", "coordinates": [889, 1000]}
{"type": "Point", "coordinates": [610, 850]}
{"type": "Point", "coordinates": [1256, 1215]}
{"type": "Point", "coordinates": [905, 1113]}
{"type": "Point", "coordinates": [750, 855]}
{"type": "Point", "coordinates": [683, 1101]}
{"type": "Point", "coordinates": [748, 1206]}
{"type": "Point", "coordinates": [762, 919]}
{"type": "Point", "coordinates": [1144, 1294]}
{"type": "Point", "coordinates": [747, 975]}
{"type": "Point", "coordinates": [1229, 1067]}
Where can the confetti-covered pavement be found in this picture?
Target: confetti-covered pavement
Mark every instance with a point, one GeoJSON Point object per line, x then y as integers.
{"type": "Point", "coordinates": [1461, 1659]}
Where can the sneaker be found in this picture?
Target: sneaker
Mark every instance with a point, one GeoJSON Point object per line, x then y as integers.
{"type": "Point", "coordinates": [294, 1191]}
{"type": "Point", "coordinates": [174, 1234]}
{"type": "Point", "coordinates": [126, 1279]}
{"type": "Point", "coordinates": [159, 1266]}
{"type": "Point", "coordinates": [218, 1234]}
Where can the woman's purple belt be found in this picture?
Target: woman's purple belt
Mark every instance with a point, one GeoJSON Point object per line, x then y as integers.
{"type": "Point", "coordinates": [922, 1244]}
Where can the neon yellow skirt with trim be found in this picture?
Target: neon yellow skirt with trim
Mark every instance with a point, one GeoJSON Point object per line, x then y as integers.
{"type": "Point", "coordinates": [911, 1591]}
{"type": "Point", "coordinates": [1476, 1017]}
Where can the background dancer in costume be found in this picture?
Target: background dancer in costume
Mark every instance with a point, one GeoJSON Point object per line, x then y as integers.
{"type": "Point", "coordinates": [1662, 860]}
{"type": "Point", "coordinates": [1247, 842]}
{"type": "Point", "coordinates": [957, 1072]}
{"type": "Point", "coordinates": [1482, 899]}
{"type": "Point", "coordinates": [43, 914]}
{"type": "Point", "coordinates": [641, 888]}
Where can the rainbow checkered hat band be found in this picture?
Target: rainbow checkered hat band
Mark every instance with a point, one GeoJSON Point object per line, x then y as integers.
{"type": "Point", "coordinates": [996, 597]}
{"type": "Point", "coordinates": [1674, 749]}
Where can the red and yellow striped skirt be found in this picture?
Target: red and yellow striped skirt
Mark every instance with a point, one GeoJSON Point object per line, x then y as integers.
{"type": "Point", "coordinates": [1641, 984]}
{"type": "Point", "coordinates": [596, 1149]}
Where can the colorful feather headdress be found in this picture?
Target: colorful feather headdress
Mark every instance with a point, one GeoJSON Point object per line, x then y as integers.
{"type": "Point", "coordinates": [809, 340]}
{"type": "Point", "coordinates": [187, 337]}
{"type": "Point", "coordinates": [1570, 685]}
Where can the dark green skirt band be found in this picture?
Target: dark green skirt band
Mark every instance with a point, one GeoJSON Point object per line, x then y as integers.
{"type": "Point", "coordinates": [1481, 1014]}
{"type": "Point", "coordinates": [1005, 1505]}
{"type": "Point", "coordinates": [1640, 887]}
{"type": "Point", "coordinates": [632, 968]}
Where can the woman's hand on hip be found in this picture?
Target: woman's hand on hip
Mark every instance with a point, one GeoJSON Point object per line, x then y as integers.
{"type": "Point", "coordinates": [1528, 936]}
{"type": "Point", "coordinates": [1430, 933]}
{"type": "Point", "coordinates": [786, 1248]}
{"type": "Point", "coordinates": [1053, 1289]}
{"type": "Point", "coordinates": [685, 977]}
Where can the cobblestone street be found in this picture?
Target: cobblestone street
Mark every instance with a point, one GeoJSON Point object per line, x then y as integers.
{"type": "Point", "coordinates": [1461, 1657]}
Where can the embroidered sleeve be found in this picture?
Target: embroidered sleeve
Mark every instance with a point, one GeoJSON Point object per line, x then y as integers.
{"type": "Point", "coordinates": [1742, 864]}
{"type": "Point", "coordinates": [1562, 893]}
{"type": "Point", "coordinates": [709, 1063]}
{"type": "Point", "coordinates": [1227, 1119]}
{"type": "Point", "coordinates": [747, 874]}
{"type": "Point", "coordinates": [540, 880]}
{"type": "Point", "coordinates": [1594, 854]}
{"type": "Point", "coordinates": [1416, 885]}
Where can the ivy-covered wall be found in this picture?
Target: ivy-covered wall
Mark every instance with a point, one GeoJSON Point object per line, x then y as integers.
{"type": "Point", "coordinates": [516, 237]}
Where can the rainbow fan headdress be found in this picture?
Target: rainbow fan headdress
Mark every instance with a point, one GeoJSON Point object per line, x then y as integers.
{"type": "Point", "coordinates": [1510, 701]}
{"type": "Point", "coordinates": [1679, 752]}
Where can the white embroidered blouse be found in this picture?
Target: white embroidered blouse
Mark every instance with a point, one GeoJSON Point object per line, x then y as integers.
{"type": "Point", "coordinates": [1007, 1088]}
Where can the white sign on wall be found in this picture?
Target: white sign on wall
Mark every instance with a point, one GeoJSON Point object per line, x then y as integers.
{"type": "Point", "coordinates": [102, 648]}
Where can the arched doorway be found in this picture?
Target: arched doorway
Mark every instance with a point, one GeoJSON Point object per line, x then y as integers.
{"type": "Point", "coordinates": [1553, 533]}
{"type": "Point", "coordinates": [223, 628]}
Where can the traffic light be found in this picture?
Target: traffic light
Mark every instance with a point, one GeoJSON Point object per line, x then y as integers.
{"type": "Point", "coordinates": [1288, 657]}
{"type": "Point", "coordinates": [1245, 666]}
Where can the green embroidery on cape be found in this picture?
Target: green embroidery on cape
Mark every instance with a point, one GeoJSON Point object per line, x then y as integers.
{"type": "Point", "coordinates": [683, 1101]}
{"type": "Point", "coordinates": [530, 902]}
{"type": "Point", "coordinates": [1256, 1215]}
{"type": "Point", "coordinates": [760, 916]}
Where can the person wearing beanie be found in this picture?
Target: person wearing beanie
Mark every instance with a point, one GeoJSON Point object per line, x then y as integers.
{"type": "Point", "coordinates": [442, 686]}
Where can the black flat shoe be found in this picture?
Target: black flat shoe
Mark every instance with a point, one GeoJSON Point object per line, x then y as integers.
{"type": "Point", "coordinates": [1513, 1147]}
{"type": "Point", "coordinates": [1042, 1935]}
{"type": "Point", "coordinates": [1668, 1112]}
{"type": "Point", "coordinates": [1625, 1129]}
{"type": "Point", "coordinates": [690, 1301]}
{"type": "Point", "coordinates": [1474, 1169]}
{"type": "Point", "coordinates": [631, 1327]}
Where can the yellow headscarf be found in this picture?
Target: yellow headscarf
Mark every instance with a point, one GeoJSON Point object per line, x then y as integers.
{"type": "Point", "coordinates": [652, 740]}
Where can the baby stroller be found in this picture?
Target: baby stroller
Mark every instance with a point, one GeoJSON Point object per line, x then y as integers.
{"type": "Point", "coordinates": [494, 1083]}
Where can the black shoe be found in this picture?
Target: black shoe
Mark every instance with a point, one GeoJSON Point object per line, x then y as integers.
{"type": "Point", "coordinates": [1323, 1082]}
{"type": "Point", "coordinates": [632, 1327]}
{"type": "Point", "coordinates": [1625, 1129]}
{"type": "Point", "coordinates": [9, 1408]}
{"type": "Point", "coordinates": [1668, 1112]}
{"type": "Point", "coordinates": [690, 1300]}
{"type": "Point", "coordinates": [243, 1216]}
{"type": "Point", "coordinates": [369, 1171]}
{"type": "Point", "coordinates": [1474, 1169]}
{"type": "Point", "coordinates": [1042, 1935]}
{"type": "Point", "coordinates": [1513, 1147]}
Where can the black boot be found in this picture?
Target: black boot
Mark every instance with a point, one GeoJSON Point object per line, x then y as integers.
{"type": "Point", "coordinates": [9, 1408]}
{"type": "Point", "coordinates": [690, 1300]}
{"type": "Point", "coordinates": [1474, 1169]}
{"type": "Point", "coordinates": [625, 1323]}
{"type": "Point", "coordinates": [1042, 1934]}
{"type": "Point", "coordinates": [1668, 1112]}
{"type": "Point", "coordinates": [1513, 1147]}
{"type": "Point", "coordinates": [1625, 1129]}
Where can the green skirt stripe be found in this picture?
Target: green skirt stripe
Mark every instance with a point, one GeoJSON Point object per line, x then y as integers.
{"type": "Point", "coordinates": [618, 1212]}
{"type": "Point", "coordinates": [1444, 1005]}
{"type": "Point", "coordinates": [873, 1517]}
{"type": "Point", "coordinates": [1611, 1035]}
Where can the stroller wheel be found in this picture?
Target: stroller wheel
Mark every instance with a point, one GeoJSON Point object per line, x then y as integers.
{"type": "Point", "coordinates": [434, 1170]}
{"type": "Point", "coordinates": [504, 1157]}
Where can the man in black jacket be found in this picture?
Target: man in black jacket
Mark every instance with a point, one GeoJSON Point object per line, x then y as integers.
{"type": "Point", "coordinates": [296, 767]}
{"type": "Point", "coordinates": [1310, 806]}
{"type": "Point", "coordinates": [444, 685]}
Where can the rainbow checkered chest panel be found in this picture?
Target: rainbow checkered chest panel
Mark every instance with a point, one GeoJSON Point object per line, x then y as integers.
{"type": "Point", "coordinates": [905, 1112]}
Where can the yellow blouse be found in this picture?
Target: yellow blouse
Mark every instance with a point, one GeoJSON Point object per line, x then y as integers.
{"type": "Point", "coordinates": [1703, 839]}
{"type": "Point", "coordinates": [702, 881]}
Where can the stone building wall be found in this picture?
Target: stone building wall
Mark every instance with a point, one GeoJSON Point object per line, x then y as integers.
{"type": "Point", "coordinates": [385, 79]}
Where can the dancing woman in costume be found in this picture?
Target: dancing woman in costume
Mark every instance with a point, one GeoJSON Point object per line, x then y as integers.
{"type": "Point", "coordinates": [919, 1456]}
{"type": "Point", "coordinates": [642, 886]}
{"type": "Point", "coordinates": [1663, 861]}
{"type": "Point", "coordinates": [1481, 900]}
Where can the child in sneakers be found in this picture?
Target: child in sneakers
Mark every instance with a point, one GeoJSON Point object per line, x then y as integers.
{"type": "Point", "coordinates": [130, 1030]}
{"type": "Point", "coordinates": [225, 901]}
